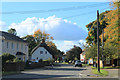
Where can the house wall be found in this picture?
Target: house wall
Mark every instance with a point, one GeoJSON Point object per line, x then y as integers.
{"type": "Point", "coordinates": [90, 61]}
{"type": "Point", "coordinates": [36, 54]}
{"type": "Point", "coordinates": [12, 47]}
{"type": "Point", "coordinates": [82, 57]}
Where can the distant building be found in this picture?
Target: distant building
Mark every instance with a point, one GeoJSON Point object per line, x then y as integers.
{"type": "Point", "coordinates": [42, 51]}
{"type": "Point", "coordinates": [14, 45]}
{"type": "Point", "coordinates": [82, 56]}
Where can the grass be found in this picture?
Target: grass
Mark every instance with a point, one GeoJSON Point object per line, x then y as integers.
{"type": "Point", "coordinates": [56, 64]}
{"type": "Point", "coordinates": [107, 67]}
{"type": "Point", "coordinates": [110, 67]}
{"type": "Point", "coordinates": [10, 73]}
{"type": "Point", "coordinates": [85, 64]}
{"type": "Point", "coordinates": [64, 63]}
{"type": "Point", "coordinates": [101, 73]}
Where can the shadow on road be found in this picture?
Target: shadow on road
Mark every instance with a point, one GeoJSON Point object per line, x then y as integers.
{"type": "Point", "coordinates": [66, 69]}
{"type": "Point", "coordinates": [33, 76]}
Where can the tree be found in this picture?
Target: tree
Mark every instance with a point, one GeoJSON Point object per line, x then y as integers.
{"type": "Point", "coordinates": [31, 42]}
{"type": "Point", "coordinates": [74, 53]}
{"type": "Point", "coordinates": [110, 52]}
{"type": "Point", "coordinates": [91, 52]}
{"type": "Point", "coordinates": [92, 28]}
{"type": "Point", "coordinates": [12, 31]}
{"type": "Point", "coordinates": [110, 23]}
{"type": "Point", "coordinates": [38, 35]}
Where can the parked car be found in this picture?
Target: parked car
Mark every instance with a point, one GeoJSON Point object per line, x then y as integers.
{"type": "Point", "coordinates": [78, 63]}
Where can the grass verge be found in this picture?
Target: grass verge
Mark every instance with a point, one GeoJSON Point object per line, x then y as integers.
{"type": "Point", "coordinates": [102, 72]}
{"type": "Point", "coordinates": [110, 67]}
{"type": "Point", "coordinates": [85, 64]}
{"type": "Point", "coordinates": [64, 63]}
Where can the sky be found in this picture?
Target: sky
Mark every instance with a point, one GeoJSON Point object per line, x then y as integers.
{"type": "Point", "coordinates": [65, 21]}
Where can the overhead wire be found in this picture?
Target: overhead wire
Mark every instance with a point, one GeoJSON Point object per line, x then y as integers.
{"type": "Point", "coordinates": [65, 17]}
{"type": "Point", "coordinates": [54, 10]}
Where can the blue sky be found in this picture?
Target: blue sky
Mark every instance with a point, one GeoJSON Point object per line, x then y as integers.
{"type": "Point", "coordinates": [65, 21]}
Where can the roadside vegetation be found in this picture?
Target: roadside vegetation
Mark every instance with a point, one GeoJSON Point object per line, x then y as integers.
{"type": "Point", "coordinates": [108, 22]}
{"type": "Point", "coordinates": [102, 72]}
{"type": "Point", "coordinates": [10, 73]}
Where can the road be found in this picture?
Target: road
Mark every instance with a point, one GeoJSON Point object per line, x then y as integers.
{"type": "Point", "coordinates": [63, 71]}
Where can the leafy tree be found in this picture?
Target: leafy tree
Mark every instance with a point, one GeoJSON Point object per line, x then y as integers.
{"type": "Point", "coordinates": [74, 53]}
{"type": "Point", "coordinates": [91, 52]}
{"type": "Point", "coordinates": [38, 35]}
{"type": "Point", "coordinates": [12, 31]}
{"type": "Point", "coordinates": [31, 42]}
{"type": "Point", "coordinates": [110, 23]}
{"type": "Point", "coordinates": [110, 51]}
{"type": "Point", "coordinates": [92, 28]}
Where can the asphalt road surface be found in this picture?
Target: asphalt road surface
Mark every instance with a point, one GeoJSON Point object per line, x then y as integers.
{"type": "Point", "coordinates": [63, 71]}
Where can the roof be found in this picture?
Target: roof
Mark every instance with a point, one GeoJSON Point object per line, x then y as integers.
{"type": "Point", "coordinates": [20, 53]}
{"type": "Point", "coordinates": [42, 45]}
{"type": "Point", "coordinates": [8, 36]}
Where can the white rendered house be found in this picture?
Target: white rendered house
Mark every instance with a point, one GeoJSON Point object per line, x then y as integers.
{"type": "Point", "coordinates": [14, 45]}
{"type": "Point", "coordinates": [42, 51]}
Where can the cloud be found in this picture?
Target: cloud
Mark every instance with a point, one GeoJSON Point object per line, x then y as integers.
{"type": "Point", "coordinates": [66, 45]}
{"type": "Point", "coordinates": [2, 26]}
{"type": "Point", "coordinates": [60, 29]}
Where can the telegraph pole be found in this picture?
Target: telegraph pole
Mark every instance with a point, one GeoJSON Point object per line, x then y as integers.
{"type": "Point", "coordinates": [102, 46]}
{"type": "Point", "coordinates": [98, 41]}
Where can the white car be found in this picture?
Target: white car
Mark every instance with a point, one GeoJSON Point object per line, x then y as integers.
{"type": "Point", "coordinates": [78, 63]}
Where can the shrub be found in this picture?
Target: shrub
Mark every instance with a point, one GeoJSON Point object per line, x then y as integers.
{"type": "Point", "coordinates": [6, 57]}
{"type": "Point", "coordinates": [17, 60]}
{"type": "Point", "coordinates": [40, 60]}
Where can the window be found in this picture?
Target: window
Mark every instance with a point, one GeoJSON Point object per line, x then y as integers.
{"type": "Point", "coordinates": [41, 52]}
{"type": "Point", "coordinates": [17, 46]}
{"type": "Point", "coordinates": [19, 58]}
{"type": "Point", "coordinates": [21, 46]}
{"type": "Point", "coordinates": [12, 45]}
{"type": "Point", "coordinates": [45, 52]}
{"type": "Point", "coordinates": [37, 58]}
{"type": "Point", "coordinates": [25, 47]}
{"type": "Point", "coordinates": [2, 40]}
{"type": "Point", "coordinates": [7, 45]}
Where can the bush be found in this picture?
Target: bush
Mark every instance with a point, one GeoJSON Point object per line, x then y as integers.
{"type": "Point", "coordinates": [40, 60]}
{"type": "Point", "coordinates": [17, 60]}
{"type": "Point", "coordinates": [6, 57]}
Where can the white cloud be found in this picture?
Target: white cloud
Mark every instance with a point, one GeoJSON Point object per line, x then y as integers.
{"type": "Point", "coordinates": [66, 45]}
{"type": "Point", "coordinates": [2, 25]}
{"type": "Point", "coordinates": [58, 28]}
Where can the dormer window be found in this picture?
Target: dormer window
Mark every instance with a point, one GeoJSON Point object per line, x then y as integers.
{"type": "Point", "coordinates": [41, 52]}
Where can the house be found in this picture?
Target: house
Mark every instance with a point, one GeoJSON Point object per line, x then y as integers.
{"type": "Point", "coordinates": [82, 56]}
{"type": "Point", "coordinates": [14, 45]}
{"type": "Point", "coordinates": [42, 51]}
